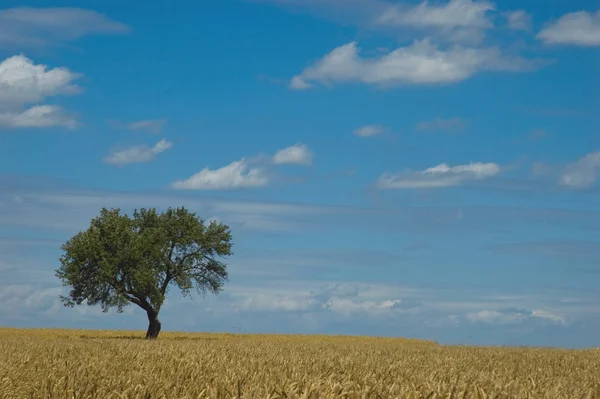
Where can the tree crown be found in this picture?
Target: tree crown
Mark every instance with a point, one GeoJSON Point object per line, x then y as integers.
{"type": "Point", "coordinates": [120, 259]}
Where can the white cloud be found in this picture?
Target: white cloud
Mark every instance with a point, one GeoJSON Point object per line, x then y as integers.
{"type": "Point", "coordinates": [349, 307]}
{"type": "Point", "coordinates": [544, 314]}
{"type": "Point", "coordinates": [455, 21]}
{"type": "Point", "coordinates": [455, 13]}
{"type": "Point", "coordinates": [137, 154]}
{"type": "Point", "coordinates": [493, 316]}
{"type": "Point", "coordinates": [151, 125]}
{"type": "Point", "coordinates": [275, 303]}
{"type": "Point", "coordinates": [23, 83]}
{"type": "Point", "coordinates": [464, 21]}
{"type": "Point", "coordinates": [38, 116]}
{"type": "Point", "coordinates": [369, 130]}
{"type": "Point", "coordinates": [518, 20]}
{"type": "Point", "coordinates": [582, 173]}
{"type": "Point", "coordinates": [238, 174]}
{"type": "Point", "coordinates": [513, 316]}
{"type": "Point", "coordinates": [442, 124]}
{"type": "Point", "coordinates": [343, 299]}
{"type": "Point", "coordinates": [579, 28]}
{"type": "Point", "coordinates": [20, 298]}
{"type": "Point", "coordinates": [438, 176]}
{"type": "Point", "coordinates": [247, 172]}
{"type": "Point", "coordinates": [298, 83]}
{"type": "Point", "coordinates": [421, 63]}
{"type": "Point", "coordinates": [29, 26]}
{"type": "Point", "coordinates": [298, 154]}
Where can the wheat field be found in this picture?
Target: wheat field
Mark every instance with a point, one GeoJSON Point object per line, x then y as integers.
{"type": "Point", "coordinates": [77, 364]}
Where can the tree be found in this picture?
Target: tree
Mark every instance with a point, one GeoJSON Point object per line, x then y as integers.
{"type": "Point", "coordinates": [121, 260]}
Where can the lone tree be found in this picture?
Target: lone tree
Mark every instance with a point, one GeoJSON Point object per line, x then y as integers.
{"type": "Point", "coordinates": [120, 260]}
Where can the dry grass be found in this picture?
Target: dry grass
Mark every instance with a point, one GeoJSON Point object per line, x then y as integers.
{"type": "Point", "coordinates": [115, 364]}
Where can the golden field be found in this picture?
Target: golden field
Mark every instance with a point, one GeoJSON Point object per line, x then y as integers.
{"type": "Point", "coordinates": [120, 364]}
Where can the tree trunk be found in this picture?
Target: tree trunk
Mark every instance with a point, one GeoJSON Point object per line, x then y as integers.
{"type": "Point", "coordinates": [153, 325]}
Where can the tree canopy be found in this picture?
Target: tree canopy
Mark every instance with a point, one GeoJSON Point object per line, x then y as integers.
{"type": "Point", "coordinates": [121, 260]}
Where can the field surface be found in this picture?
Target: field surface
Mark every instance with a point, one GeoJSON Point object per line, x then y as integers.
{"type": "Point", "coordinates": [79, 364]}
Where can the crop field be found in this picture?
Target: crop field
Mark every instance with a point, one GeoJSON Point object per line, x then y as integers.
{"type": "Point", "coordinates": [120, 364]}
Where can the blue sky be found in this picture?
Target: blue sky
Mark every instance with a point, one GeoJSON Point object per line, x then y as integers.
{"type": "Point", "coordinates": [424, 169]}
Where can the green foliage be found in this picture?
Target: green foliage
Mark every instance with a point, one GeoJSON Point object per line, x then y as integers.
{"type": "Point", "coordinates": [120, 260]}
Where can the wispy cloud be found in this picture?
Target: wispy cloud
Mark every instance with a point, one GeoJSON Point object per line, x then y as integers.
{"type": "Point", "coordinates": [457, 20]}
{"type": "Point", "coordinates": [416, 246]}
{"type": "Point", "coordinates": [369, 130]}
{"type": "Point", "coordinates": [514, 316]}
{"type": "Point", "coordinates": [566, 249]}
{"type": "Point", "coordinates": [68, 208]}
{"type": "Point", "coordinates": [582, 173]}
{"type": "Point", "coordinates": [465, 21]}
{"type": "Point", "coordinates": [577, 175]}
{"type": "Point", "coordinates": [549, 111]}
{"type": "Point", "coordinates": [33, 27]}
{"type": "Point", "coordinates": [439, 176]}
{"type": "Point", "coordinates": [39, 116]}
{"type": "Point", "coordinates": [150, 125]}
{"type": "Point", "coordinates": [421, 63]}
{"type": "Point", "coordinates": [137, 154]}
{"type": "Point", "coordinates": [455, 13]}
{"type": "Point", "coordinates": [538, 134]}
{"type": "Point", "coordinates": [441, 124]}
{"type": "Point", "coordinates": [518, 20]}
{"type": "Point", "coordinates": [22, 83]}
{"type": "Point", "coordinates": [579, 28]}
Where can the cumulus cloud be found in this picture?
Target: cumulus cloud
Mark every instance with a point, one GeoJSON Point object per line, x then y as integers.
{"type": "Point", "coordinates": [247, 172]}
{"type": "Point", "coordinates": [579, 28]}
{"type": "Point", "coordinates": [298, 154]}
{"type": "Point", "coordinates": [438, 176]}
{"type": "Point", "coordinates": [32, 27]}
{"type": "Point", "coordinates": [369, 130]}
{"type": "Point", "coordinates": [137, 154]}
{"type": "Point", "coordinates": [23, 83]}
{"type": "Point", "coordinates": [441, 124]}
{"type": "Point", "coordinates": [421, 63]}
{"type": "Point", "coordinates": [238, 174]}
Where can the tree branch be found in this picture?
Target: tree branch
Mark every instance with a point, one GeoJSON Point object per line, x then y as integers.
{"type": "Point", "coordinates": [168, 275]}
{"type": "Point", "coordinates": [177, 272]}
{"type": "Point", "coordinates": [168, 278]}
{"type": "Point", "coordinates": [134, 300]}
{"type": "Point", "coordinates": [171, 250]}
